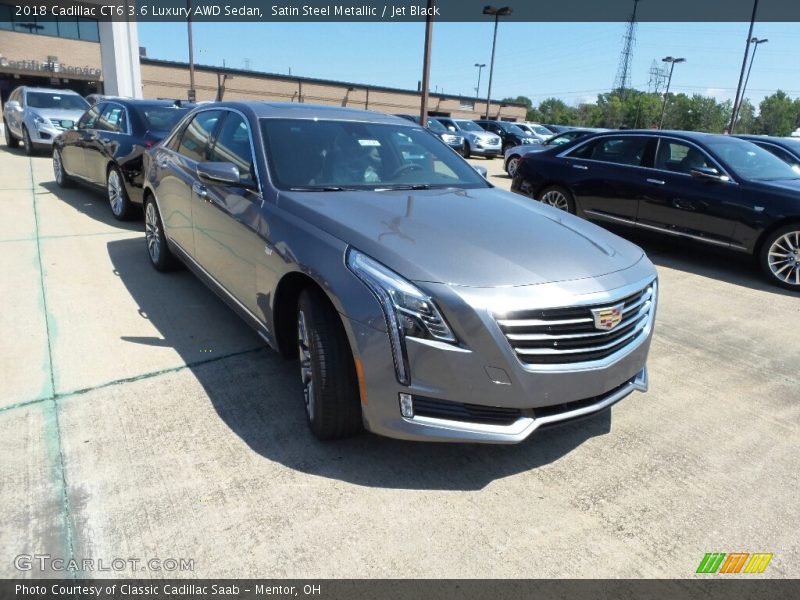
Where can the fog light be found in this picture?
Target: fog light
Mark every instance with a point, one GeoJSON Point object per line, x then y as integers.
{"type": "Point", "coordinates": [406, 406]}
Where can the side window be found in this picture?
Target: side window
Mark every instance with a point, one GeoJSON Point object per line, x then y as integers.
{"type": "Point", "coordinates": [196, 137]}
{"type": "Point", "coordinates": [679, 157]}
{"type": "Point", "coordinates": [89, 118]}
{"type": "Point", "coordinates": [628, 150]}
{"type": "Point", "coordinates": [780, 153]}
{"type": "Point", "coordinates": [233, 146]}
{"type": "Point", "coordinates": [112, 118]}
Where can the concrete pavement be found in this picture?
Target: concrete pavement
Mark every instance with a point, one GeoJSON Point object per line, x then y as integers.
{"type": "Point", "coordinates": [140, 418]}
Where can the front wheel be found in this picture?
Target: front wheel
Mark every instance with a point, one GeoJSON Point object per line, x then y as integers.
{"type": "Point", "coordinates": [161, 256]}
{"type": "Point", "coordinates": [780, 256]}
{"type": "Point", "coordinates": [558, 197]}
{"type": "Point", "coordinates": [327, 369]}
{"type": "Point", "coordinates": [465, 152]}
{"type": "Point", "coordinates": [11, 141]}
{"type": "Point", "coordinates": [27, 144]}
{"type": "Point", "coordinates": [62, 179]}
{"type": "Point", "coordinates": [511, 165]}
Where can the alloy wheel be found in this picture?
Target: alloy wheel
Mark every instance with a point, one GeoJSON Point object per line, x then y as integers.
{"type": "Point", "coordinates": [152, 232]}
{"type": "Point", "coordinates": [512, 166]}
{"type": "Point", "coordinates": [784, 258]}
{"type": "Point", "coordinates": [58, 168]}
{"type": "Point", "coordinates": [304, 351]}
{"type": "Point", "coordinates": [115, 193]}
{"type": "Point", "coordinates": [556, 199]}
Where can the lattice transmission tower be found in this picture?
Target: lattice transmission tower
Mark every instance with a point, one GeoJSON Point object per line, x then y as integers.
{"type": "Point", "coordinates": [622, 82]}
{"type": "Point", "coordinates": [658, 77]}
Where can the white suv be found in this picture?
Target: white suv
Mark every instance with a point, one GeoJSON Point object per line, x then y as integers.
{"type": "Point", "coordinates": [36, 116]}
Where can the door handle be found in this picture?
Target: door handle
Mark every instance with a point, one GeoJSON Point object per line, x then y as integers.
{"type": "Point", "coordinates": [581, 167]}
{"type": "Point", "coordinates": [655, 181]}
{"type": "Point", "coordinates": [200, 190]}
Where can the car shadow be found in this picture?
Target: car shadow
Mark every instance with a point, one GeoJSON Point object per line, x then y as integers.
{"type": "Point", "coordinates": [93, 203]}
{"type": "Point", "coordinates": [257, 394]}
{"type": "Point", "coordinates": [707, 261]}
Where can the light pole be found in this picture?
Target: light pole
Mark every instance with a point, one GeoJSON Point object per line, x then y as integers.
{"type": "Point", "coordinates": [735, 110]}
{"type": "Point", "coordinates": [192, 95]}
{"type": "Point", "coordinates": [426, 66]}
{"type": "Point", "coordinates": [497, 13]}
{"type": "Point", "coordinates": [672, 61]}
{"type": "Point", "coordinates": [478, 87]}
{"type": "Point", "coordinates": [755, 41]}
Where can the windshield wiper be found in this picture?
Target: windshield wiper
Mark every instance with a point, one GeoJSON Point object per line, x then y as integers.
{"type": "Point", "coordinates": [416, 186]}
{"type": "Point", "coordinates": [327, 188]}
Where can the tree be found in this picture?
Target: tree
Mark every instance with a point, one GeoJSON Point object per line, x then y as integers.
{"type": "Point", "coordinates": [556, 111]}
{"type": "Point", "coordinates": [778, 114]}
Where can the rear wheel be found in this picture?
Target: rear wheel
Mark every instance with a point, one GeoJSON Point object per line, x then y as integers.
{"type": "Point", "coordinates": [161, 256]}
{"type": "Point", "coordinates": [27, 144]}
{"type": "Point", "coordinates": [511, 165]}
{"type": "Point", "coordinates": [11, 141]}
{"type": "Point", "coordinates": [327, 369]}
{"type": "Point", "coordinates": [780, 256]}
{"type": "Point", "coordinates": [62, 179]}
{"type": "Point", "coordinates": [558, 197]}
{"type": "Point", "coordinates": [118, 199]}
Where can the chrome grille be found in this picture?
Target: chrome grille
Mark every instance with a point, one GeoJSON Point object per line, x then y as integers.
{"type": "Point", "coordinates": [559, 336]}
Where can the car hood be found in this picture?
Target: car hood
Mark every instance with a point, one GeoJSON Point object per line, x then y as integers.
{"type": "Point", "coordinates": [788, 185]}
{"type": "Point", "coordinates": [478, 238]}
{"type": "Point", "coordinates": [59, 114]}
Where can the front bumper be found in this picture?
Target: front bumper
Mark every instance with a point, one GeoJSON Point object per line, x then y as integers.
{"type": "Point", "coordinates": [486, 150]}
{"type": "Point", "coordinates": [43, 135]}
{"type": "Point", "coordinates": [484, 374]}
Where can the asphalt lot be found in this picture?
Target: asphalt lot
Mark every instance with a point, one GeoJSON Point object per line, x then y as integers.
{"type": "Point", "coordinates": [140, 418]}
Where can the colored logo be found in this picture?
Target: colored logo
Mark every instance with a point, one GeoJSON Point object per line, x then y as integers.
{"type": "Point", "coordinates": [736, 562]}
{"type": "Point", "coordinates": [608, 318]}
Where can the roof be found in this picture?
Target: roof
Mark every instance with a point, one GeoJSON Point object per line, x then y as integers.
{"type": "Point", "coordinates": [29, 88]}
{"type": "Point", "coordinates": [289, 110]}
{"type": "Point", "coordinates": [248, 73]}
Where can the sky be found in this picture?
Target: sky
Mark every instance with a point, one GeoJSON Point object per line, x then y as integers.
{"type": "Point", "coordinates": [571, 61]}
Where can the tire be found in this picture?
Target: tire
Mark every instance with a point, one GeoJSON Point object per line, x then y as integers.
{"type": "Point", "coordinates": [27, 144]}
{"type": "Point", "coordinates": [327, 369]}
{"type": "Point", "coordinates": [465, 152]}
{"type": "Point", "coordinates": [11, 141]}
{"type": "Point", "coordinates": [161, 256]}
{"type": "Point", "coordinates": [121, 206]}
{"type": "Point", "coordinates": [780, 256]}
{"type": "Point", "coordinates": [62, 179]}
{"type": "Point", "coordinates": [558, 197]}
{"type": "Point", "coordinates": [511, 165]}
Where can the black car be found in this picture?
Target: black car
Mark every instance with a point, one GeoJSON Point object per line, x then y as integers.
{"type": "Point", "coordinates": [509, 133]}
{"type": "Point", "coordinates": [455, 141]}
{"type": "Point", "coordinates": [714, 189]}
{"type": "Point", "coordinates": [106, 146]}
{"type": "Point", "coordinates": [787, 149]}
{"type": "Point", "coordinates": [512, 155]}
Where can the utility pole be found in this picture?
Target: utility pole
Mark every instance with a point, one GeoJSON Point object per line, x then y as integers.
{"type": "Point", "coordinates": [192, 95]}
{"type": "Point", "coordinates": [426, 66]}
{"type": "Point", "coordinates": [497, 13]}
{"type": "Point", "coordinates": [736, 99]}
{"type": "Point", "coordinates": [671, 60]}
{"type": "Point", "coordinates": [755, 41]}
{"type": "Point", "coordinates": [478, 87]}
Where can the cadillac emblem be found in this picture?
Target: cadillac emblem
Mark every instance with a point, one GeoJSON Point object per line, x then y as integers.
{"type": "Point", "coordinates": [609, 317]}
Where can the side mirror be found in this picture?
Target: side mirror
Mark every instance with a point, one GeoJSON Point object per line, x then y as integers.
{"type": "Point", "coordinates": [708, 173]}
{"type": "Point", "coordinates": [482, 171]}
{"type": "Point", "coordinates": [12, 105]}
{"type": "Point", "coordinates": [451, 128]}
{"type": "Point", "coordinates": [219, 172]}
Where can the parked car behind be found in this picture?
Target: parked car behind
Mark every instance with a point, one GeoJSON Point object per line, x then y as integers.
{"type": "Point", "coordinates": [714, 189]}
{"type": "Point", "coordinates": [422, 302]}
{"type": "Point", "coordinates": [509, 133]}
{"type": "Point", "coordinates": [540, 132]}
{"type": "Point", "coordinates": [105, 148]}
{"type": "Point", "coordinates": [785, 148]}
{"type": "Point", "coordinates": [476, 139]}
{"type": "Point", "coordinates": [512, 155]}
{"type": "Point", "coordinates": [35, 116]}
{"type": "Point", "coordinates": [455, 141]}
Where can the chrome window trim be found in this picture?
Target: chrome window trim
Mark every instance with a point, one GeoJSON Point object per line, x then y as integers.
{"type": "Point", "coordinates": [696, 147]}
{"type": "Point", "coordinates": [127, 118]}
{"type": "Point", "coordinates": [252, 145]}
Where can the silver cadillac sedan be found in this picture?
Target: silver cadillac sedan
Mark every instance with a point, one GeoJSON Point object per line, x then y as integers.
{"type": "Point", "coordinates": [421, 302]}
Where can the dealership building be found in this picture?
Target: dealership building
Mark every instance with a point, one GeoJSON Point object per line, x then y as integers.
{"type": "Point", "coordinates": [91, 56]}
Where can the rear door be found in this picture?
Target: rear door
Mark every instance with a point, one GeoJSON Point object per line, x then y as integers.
{"type": "Point", "coordinates": [226, 217]}
{"type": "Point", "coordinates": [607, 176]}
{"type": "Point", "coordinates": [678, 202]}
{"type": "Point", "coordinates": [176, 172]}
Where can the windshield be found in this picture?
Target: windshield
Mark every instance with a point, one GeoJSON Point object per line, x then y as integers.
{"type": "Point", "coordinates": [437, 127]}
{"type": "Point", "coordinates": [469, 126]}
{"type": "Point", "coordinates": [557, 140]}
{"type": "Point", "coordinates": [56, 100]}
{"type": "Point", "coordinates": [513, 129]}
{"type": "Point", "coordinates": [750, 161]}
{"type": "Point", "coordinates": [315, 155]}
{"type": "Point", "coordinates": [162, 118]}
{"type": "Point", "coordinates": [541, 130]}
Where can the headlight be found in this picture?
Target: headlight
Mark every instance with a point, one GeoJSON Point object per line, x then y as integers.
{"type": "Point", "coordinates": [409, 312]}
{"type": "Point", "coordinates": [40, 120]}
